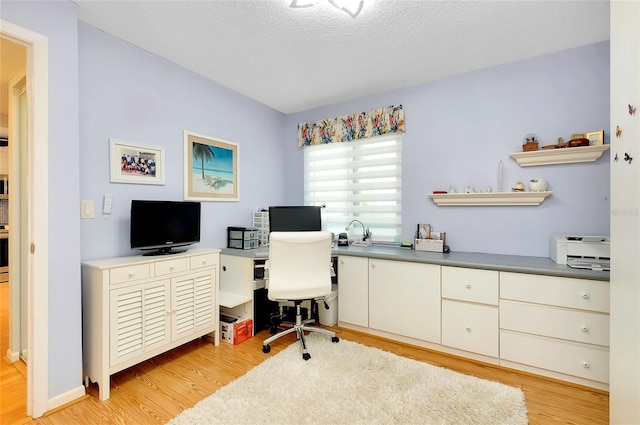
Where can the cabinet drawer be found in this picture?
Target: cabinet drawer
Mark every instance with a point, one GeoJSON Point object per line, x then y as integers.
{"type": "Point", "coordinates": [170, 266]}
{"type": "Point", "coordinates": [473, 285]}
{"type": "Point", "coordinates": [128, 273]}
{"type": "Point", "coordinates": [574, 325]}
{"type": "Point", "coordinates": [560, 291]}
{"type": "Point", "coordinates": [204, 260]}
{"type": "Point", "coordinates": [470, 327]}
{"type": "Point", "coordinates": [572, 358]}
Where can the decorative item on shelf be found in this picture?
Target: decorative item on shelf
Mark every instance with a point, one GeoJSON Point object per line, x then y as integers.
{"type": "Point", "coordinates": [470, 189]}
{"type": "Point", "coordinates": [618, 131]}
{"type": "Point", "coordinates": [632, 110]}
{"type": "Point", "coordinates": [519, 187]}
{"type": "Point", "coordinates": [530, 143]}
{"type": "Point", "coordinates": [500, 176]}
{"type": "Point", "coordinates": [486, 189]}
{"type": "Point", "coordinates": [595, 137]}
{"type": "Point", "coordinates": [452, 189]}
{"type": "Point", "coordinates": [537, 185]}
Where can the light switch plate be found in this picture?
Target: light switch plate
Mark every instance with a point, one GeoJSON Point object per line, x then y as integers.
{"type": "Point", "coordinates": [87, 209]}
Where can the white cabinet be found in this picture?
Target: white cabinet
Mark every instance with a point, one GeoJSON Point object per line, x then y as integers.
{"type": "Point", "coordinates": [353, 290]}
{"type": "Point", "coordinates": [470, 310]}
{"type": "Point", "coordinates": [404, 299]}
{"type": "Point", "coordinates": [556, 324]}
{"type": "Point", "coordinates": [137, 307]}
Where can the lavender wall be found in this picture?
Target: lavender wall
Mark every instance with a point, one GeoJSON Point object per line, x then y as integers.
{"type": "Point", "coordinates": [64, 316]}
{"type": "Point", "coordinates": [459, 128]}
{"type": "Point", "coordinates": [129, 94]}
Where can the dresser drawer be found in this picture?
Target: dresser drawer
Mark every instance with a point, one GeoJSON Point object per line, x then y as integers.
{"type": "Point", "coordinates": [128, 273]}
{"type": "Point", "coordinates": [470, 327]}
{"type": "Point", "coordinates": [480, 286]}
{"type": "Point", "coordinates": [573, 325]}
{"type": "Point", "coordinates": [572, 358]}
{"type": "Point", "coordinates": [560, 291]}
{"type": "Point", "coordinates": [204, 260]}
{"type": "Point", "coordinates": [173, 265]}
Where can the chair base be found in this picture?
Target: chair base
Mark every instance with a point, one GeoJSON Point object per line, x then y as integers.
{"type": "Point", "coordinates": [299, 327]}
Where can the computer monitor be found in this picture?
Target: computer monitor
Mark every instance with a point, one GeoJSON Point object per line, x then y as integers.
{"type": "Point", "coordinates": [294, 219]}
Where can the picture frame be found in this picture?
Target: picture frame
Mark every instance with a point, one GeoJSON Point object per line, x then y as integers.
{"type": "Point", "coordinates": [211, 170]}
{"type": "Point", "coordinates": [135, 163]}
{"type": "Point", "coordinates": [595, 137]}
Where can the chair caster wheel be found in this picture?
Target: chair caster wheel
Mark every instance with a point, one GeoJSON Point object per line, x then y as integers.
{"type": "Point", "coordinates": [306, 356]}
{"type": "Point", "coordinates": [266, 348]}
{"type": "Point", "coordinates": [335, 339]}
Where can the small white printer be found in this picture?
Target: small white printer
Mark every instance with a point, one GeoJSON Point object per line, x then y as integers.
{"type": "Point", "coordinates": [584, 248]}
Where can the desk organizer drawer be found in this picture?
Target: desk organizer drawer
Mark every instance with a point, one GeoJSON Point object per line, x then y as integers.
{"type": "Point", "coordinates": [170, 266]}
{"type": "Point", "coordinates": [480, 286]}
{"type": "Point", "coordinates": [560, 291]}
{"type": "Point", "coordinates": [470, 327]}
{"type": "Point", "coordinates": [205, 260]}
{"type": "Point", "coordinates": [128, 273]}
{"type": "Point", "coordinates": [572, 358]}
{"type": "Point", "coordinates": [573, 325]}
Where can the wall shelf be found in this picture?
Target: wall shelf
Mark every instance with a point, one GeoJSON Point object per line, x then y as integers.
{"type": "Point", "coordinates": [486, 199]}
{"type": "Point", "coordinates": [559, 156]}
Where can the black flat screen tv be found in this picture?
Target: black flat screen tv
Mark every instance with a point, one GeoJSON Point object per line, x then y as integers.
{"type": "Point", "coordinates": [161, 226]}
{"type": "Point", "coordinates": [295, 219]}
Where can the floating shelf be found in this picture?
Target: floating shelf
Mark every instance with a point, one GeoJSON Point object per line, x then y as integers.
{"type": "Point", "coordinates": [486, 199]}
{"type": "Point", "coordinates": [559, 156]}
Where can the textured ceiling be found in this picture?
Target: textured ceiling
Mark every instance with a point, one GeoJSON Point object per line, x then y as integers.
{"type": "Point", "coordinates": [296, 59]}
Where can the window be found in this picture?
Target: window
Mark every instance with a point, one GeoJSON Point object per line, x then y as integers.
{"type": "Point", "coordinates": [359, 180]}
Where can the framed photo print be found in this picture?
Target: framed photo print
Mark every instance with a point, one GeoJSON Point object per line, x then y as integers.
{"type": "Point", "coordinates": [595, 137]}
{"type": "Point", "coordinates": [211, 168]}
{"type": "Point", "coordinates": [134, 163]}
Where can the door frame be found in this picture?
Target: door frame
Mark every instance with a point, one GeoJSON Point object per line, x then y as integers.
{"type": "Point", "coordinates": [37, 215]}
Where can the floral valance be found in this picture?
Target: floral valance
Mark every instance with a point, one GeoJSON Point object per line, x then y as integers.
{"type": "Point", "coordinates": [352, 127]}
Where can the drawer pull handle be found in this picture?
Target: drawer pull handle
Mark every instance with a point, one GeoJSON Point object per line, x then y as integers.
{"type": "Point", "coordinates": [586, 365]}
{"type": "Point", "coordinates": [204, 261]}
{"type": "Point", "coordinates": [171, 267]}
{"type": "Point", "coordinates": [585, 295]}
{"type": "Point", "coordinates": [224, 268]}
{"type": "Point", "coordinates": [341, 261]}
{"type": "Point", "coordinates": [468, 328]}
{"type": "Point", "coordinates": [131, 274]}
{"type": "Point", "coordinates": [584, 328]}
{"type": "Point", "coordinates": [468, 286]}
{"type": "Point", "coordinates": [373, 266]}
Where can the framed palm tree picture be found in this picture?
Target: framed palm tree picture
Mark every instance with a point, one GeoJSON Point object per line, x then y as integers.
{"type": "Point", "coordinates": [211, 168]}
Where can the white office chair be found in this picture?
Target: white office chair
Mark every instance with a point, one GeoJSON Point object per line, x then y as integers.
{"type": "Point", "coordinates": [299, 269]}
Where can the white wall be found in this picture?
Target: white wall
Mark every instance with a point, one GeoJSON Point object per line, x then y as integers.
{"type": "Point", "coordinates": [625, 219]}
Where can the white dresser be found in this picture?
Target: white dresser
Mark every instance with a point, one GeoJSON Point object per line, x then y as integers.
{"type": "Point", "coordinates": [557, 324]}
{"type": "Point", "coordinates": [137, 307]}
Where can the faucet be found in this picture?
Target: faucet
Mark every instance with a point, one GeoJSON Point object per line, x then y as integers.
{"type": "Point", "coordinates": [366, 234]}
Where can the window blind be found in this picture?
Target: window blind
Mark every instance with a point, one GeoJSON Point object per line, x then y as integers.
{"type": "Point", "coordinates": [359, 180]}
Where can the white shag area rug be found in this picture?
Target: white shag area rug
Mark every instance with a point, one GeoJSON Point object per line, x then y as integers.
{"type": "Point", "coordinates": [349, 383]}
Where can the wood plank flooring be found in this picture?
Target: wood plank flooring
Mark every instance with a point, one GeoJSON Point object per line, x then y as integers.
{"type": "Point", "coordinates": [155, 391]}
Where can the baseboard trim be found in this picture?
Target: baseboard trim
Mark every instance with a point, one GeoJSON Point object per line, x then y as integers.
{"type": "Point", "coordinates": [65, 398]}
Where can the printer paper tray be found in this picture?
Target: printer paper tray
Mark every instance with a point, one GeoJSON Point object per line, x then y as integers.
{"type": "Point", "coordinates": [590, 263]}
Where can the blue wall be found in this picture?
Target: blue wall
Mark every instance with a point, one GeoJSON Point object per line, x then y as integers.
{"type": "Point", "coordinates": [129, 94]}
{"type": "Point", "coordinates": [459, 128]}
{"type": "Point", "coordinates": [64, 315]}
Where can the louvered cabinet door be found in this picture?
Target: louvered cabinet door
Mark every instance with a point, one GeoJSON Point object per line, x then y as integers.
{"type": "Point", "coordinates": [140, 320]}
{"type": "Point", "coordinates": [193, 304]}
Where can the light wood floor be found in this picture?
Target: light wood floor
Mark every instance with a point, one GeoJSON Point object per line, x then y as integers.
{"type": "Point", "coordinates": [157, 390]}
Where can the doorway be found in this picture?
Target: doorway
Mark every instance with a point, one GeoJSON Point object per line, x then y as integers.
{"type": "Point", "coordinates": [29, 257]}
